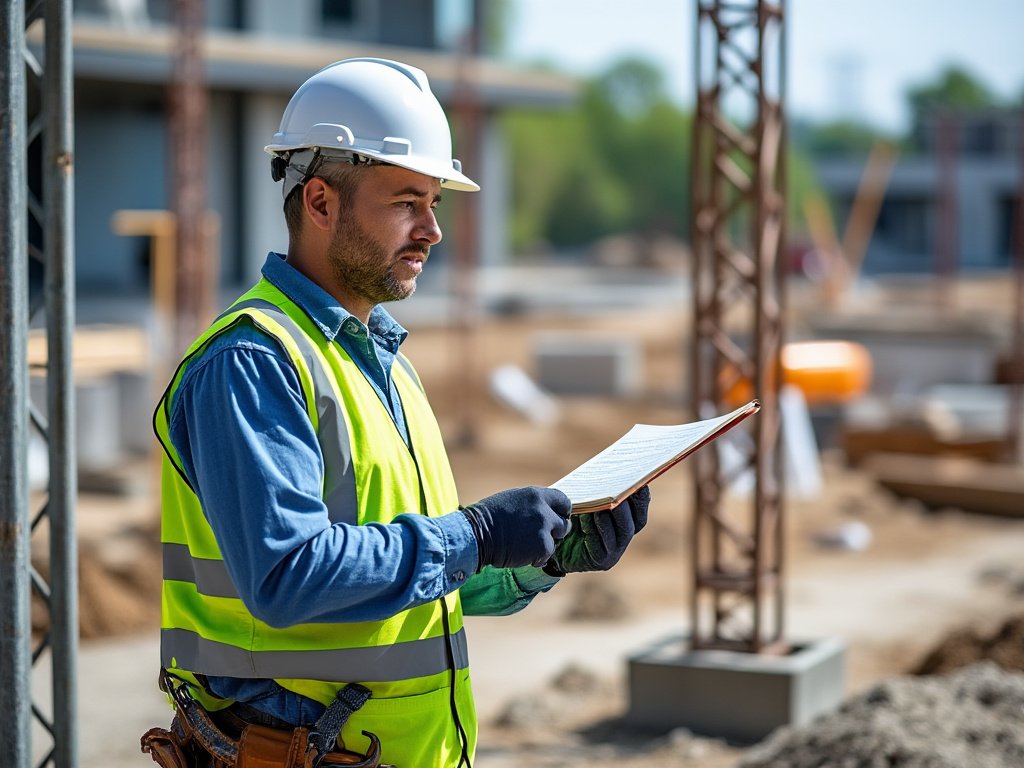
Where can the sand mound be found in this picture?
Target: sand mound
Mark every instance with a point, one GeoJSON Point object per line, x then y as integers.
{"type": "Point", "coordinates": [972, 717]}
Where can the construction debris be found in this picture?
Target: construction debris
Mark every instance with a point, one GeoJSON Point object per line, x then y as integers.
{"type": "Point", "coordinates": [512, 387]}
{"type": "Point", "coordinates": [854, 536]}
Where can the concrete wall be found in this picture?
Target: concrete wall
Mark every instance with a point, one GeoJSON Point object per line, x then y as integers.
{"type": "Point", "coordinates": [119, 163]}
{"type": "Point", "coordinates": [223, 185]}
{"type": "Point", "coordinates": [122, 163]}
{"type": "Point", "coordinates": [262, 220]}
{"type": "Point", "coordinates": [290, 19]}
{"type": "Point", "coordinates": [390, 22]}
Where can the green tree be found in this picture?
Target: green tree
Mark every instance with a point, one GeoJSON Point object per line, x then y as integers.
{"type": "Point", "coordinates": [955, 88]}
{"type": "Point", "coordinates": [833, 139]}
{"type": "Point", "coordinates": [496, 15]}
{"type": "Point", "coordinates": [542, 146]}
{"type": "Point", "coordinates": [616, 163]}
{"type": "Point", "coordinates": [644, 141]}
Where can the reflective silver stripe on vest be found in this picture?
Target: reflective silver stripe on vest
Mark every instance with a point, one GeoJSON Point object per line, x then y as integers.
{"type": "Point", "coordinates": [332, 434]}
{"type": "Point", "coordinates": [210, 576]}
{"type": "Point", "coordinates": [377, 664]}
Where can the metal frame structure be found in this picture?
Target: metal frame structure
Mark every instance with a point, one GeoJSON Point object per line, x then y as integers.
{"type": "Point", "coordinates": [738, 232]}
{"type": "Point", "coordinates": [195, 280]}
{"type": "Point", "coordinates": [36, 208]}
{"type": "Point", "coordinates": [946, 225]}
{"type": "Point", "coordinates": [1016, 405]}
{"type": "Point", "coordinates": [468, 114]}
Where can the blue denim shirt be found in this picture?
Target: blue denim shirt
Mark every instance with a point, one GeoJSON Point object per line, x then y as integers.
{"type": "Point", "coordinates": [239, 424]}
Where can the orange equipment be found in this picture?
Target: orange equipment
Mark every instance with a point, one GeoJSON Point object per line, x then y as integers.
{"type": "Point", "coordinates": [827, 372]}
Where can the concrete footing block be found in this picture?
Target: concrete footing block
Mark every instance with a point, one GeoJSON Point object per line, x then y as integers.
{"type": "Point", "coordinates": [741, 697]}
{"type": "Point", "coordinates": [588, 365]}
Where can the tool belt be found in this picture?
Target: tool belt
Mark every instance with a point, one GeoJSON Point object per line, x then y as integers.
{"type": "Point", "coordinates": [195, 740]}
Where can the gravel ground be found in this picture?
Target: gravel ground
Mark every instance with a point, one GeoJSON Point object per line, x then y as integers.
{"type": "Point", "coordinates": [972, 717]}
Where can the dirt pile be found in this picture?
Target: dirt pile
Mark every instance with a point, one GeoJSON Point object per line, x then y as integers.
{"type": "Point", "coordinates": [966, 646]}
{"type": "Point", "coordinates": [974, 716]}
{"type": "Point", "coordinates": [119, 580]}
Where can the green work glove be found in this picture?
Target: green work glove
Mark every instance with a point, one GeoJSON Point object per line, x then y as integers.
{"type": "Point", "coordinates": [597, 541]}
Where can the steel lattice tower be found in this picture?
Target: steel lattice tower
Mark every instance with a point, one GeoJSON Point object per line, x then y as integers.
{"type": "Point", "coordinates": [36, 211]}
{"type": "Point", "coordinates": [738, 233]}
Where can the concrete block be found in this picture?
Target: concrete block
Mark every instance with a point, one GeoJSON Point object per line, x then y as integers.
{"type": "Point", "coordinates": [588, 365]}
{"type": "Point", "coordinates": [97, 423]}
{"type": "Point", "coordinates": [138, 401]}
{"type": "Point", "coordinates": [741, 697]}
{"type": "Point", "coordinates": [97, 419]}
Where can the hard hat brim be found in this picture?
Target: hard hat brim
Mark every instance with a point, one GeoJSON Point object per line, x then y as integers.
{"type": "Point", "coordinates": [450, 178]}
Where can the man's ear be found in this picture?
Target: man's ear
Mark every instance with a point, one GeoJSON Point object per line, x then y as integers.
{"type": "Point", "coordinates": [318, 201]}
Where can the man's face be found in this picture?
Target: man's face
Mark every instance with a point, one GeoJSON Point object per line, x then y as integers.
{"type": "Point", "coordinates": [380, 244]}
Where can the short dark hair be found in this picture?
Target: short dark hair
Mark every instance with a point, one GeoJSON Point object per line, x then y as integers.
{"type": "Point", "coordinates": [341, 176]}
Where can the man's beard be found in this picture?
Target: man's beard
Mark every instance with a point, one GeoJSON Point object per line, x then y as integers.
{"type": "Point", "coordinates": [365, 268]}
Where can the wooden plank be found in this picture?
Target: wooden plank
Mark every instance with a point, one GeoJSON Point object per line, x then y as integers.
{"type": "Point", "coordinates": [97, 351]}
{"type": "Point", "coordinates": [858, 444]}
{"type": "Point", "coordinates": [944, 481]}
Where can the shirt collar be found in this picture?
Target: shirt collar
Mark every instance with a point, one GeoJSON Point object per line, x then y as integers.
{"type": "Point", "coordinates": [328, 315]}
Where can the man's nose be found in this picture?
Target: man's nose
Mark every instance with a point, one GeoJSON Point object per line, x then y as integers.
{"type": "Point", "coordinates": [427, 229]}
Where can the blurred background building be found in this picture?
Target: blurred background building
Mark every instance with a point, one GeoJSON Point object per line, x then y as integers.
{"type": "Point", "coordinates": [256, 53]}
{"type": "Point", "coordinates": [970, 155]}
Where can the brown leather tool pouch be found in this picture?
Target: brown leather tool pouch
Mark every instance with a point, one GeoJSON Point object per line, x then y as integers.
{"type": "Point", "coordinates": [166, 750]}
{"type": "Point", "coordinates": [265, 747]}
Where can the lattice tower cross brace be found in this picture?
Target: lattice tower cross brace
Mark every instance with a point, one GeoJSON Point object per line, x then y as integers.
{"type": "Point", "coordinates": [738, 232]}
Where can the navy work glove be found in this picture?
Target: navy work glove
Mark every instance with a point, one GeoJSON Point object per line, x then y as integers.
{"type": "Point", "coordinates": [597, 541]}
{"type": "Point", "coordinates": [519, 526]}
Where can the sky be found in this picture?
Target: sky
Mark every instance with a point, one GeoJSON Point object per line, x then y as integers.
{"type": "Point", "coordinates": [845, 58]}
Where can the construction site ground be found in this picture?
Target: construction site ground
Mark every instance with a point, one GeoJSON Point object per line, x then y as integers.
{"type": "Point", "coordinates": [550, 682]}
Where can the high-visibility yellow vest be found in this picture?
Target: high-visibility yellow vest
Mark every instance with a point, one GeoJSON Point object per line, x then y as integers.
{"type": "Point", "coordinates": [410, 661]}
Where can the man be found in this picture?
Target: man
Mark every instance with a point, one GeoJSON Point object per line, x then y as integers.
{"type": "Point", "coordinates": [316, 561]}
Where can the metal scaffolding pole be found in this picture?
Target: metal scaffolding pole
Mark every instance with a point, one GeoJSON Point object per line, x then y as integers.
{"type": "Point", "coordinates": [59, 293]}
{"type": "Point", "coordinates": [738, 232]}
{"type": "Point", "coordinates": [15, 656]}
{"type": "Point", "coordinates": [465, 273]}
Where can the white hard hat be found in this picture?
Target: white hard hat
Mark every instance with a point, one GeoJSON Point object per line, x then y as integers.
{"type": "Point", "coordinates": [363, 110]}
